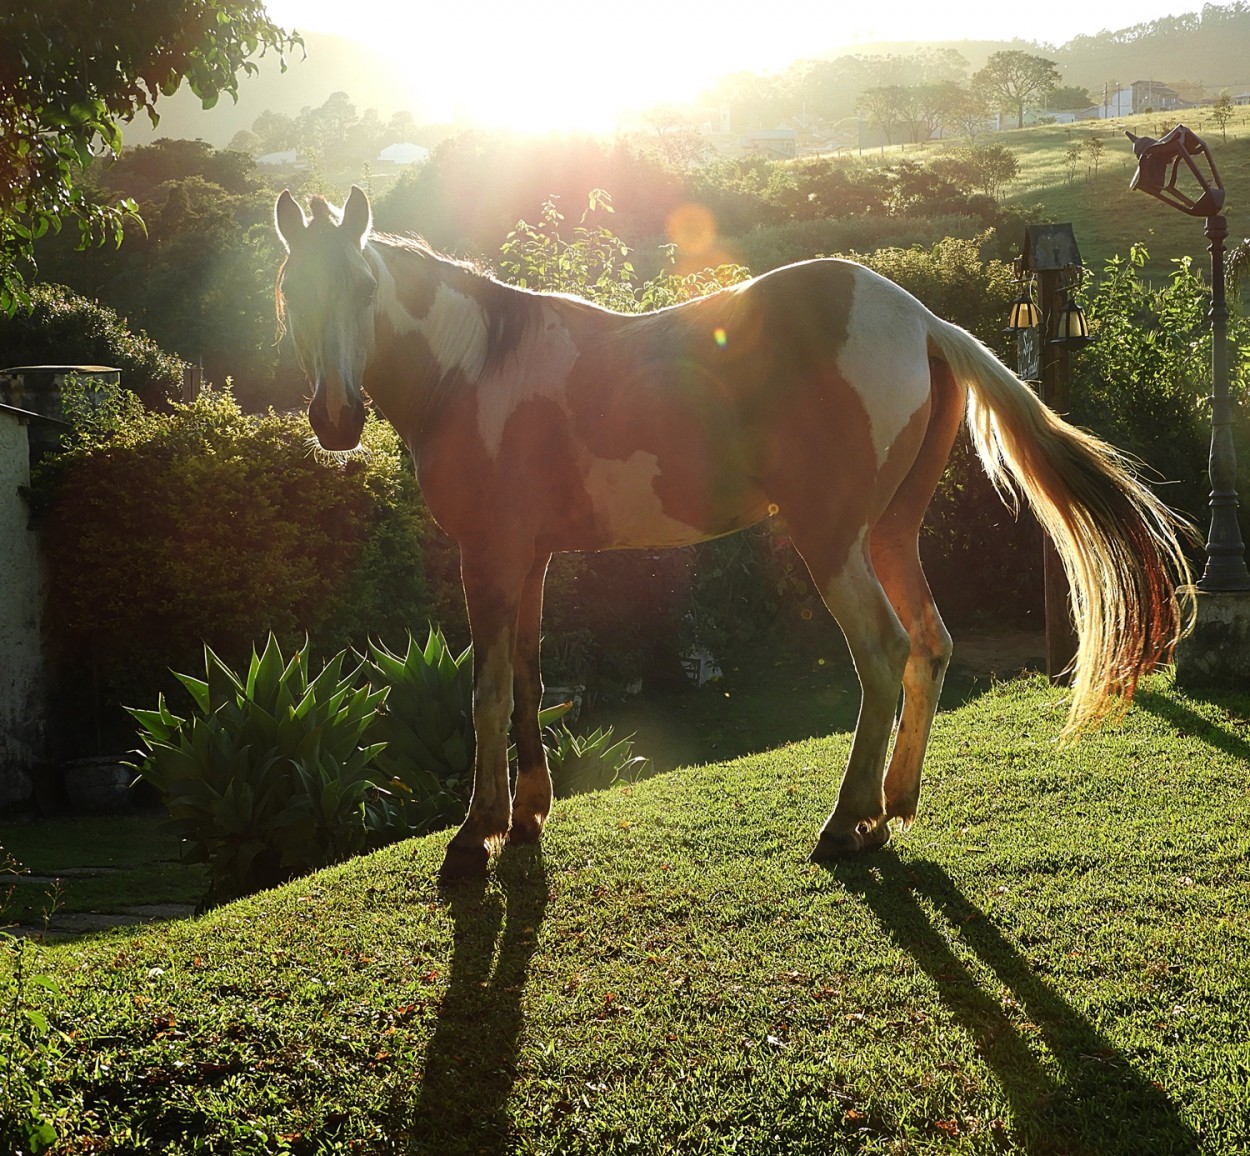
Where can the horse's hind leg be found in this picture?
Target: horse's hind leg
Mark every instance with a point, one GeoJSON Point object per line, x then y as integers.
{"type": "Point", "coordinates": [879, 647]}
{"type": "Point", "coordinates": [898, 565]}
{"type": "Point", "coordinates": [896, 559]}
{"type": "Point", "coordinates": [532, 800]}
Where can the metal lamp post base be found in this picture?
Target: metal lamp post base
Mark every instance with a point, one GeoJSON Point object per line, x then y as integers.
{"type": "Point", "coordinates": [1217, 652]}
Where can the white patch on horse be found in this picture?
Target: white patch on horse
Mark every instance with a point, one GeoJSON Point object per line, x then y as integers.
{"type": "Point", "coordinates": [626, 505]}
{"type": "Point", "coordinates": [885, 358]}
{"type": "Point", "coordinates": [539, 368]}
{"type": "Point", "coordinates": [454, 328]}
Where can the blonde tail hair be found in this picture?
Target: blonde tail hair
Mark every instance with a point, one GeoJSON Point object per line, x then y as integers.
{"type": "Point", "coordinates": [1121, 547]}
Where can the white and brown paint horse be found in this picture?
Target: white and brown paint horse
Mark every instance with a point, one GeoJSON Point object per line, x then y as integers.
{"type": "Point", "coordinates": [820, 391]}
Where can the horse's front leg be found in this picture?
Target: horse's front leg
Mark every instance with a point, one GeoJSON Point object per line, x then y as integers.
{"type": "Point", "coordinates": [532, 802]}
{"type": "Point", "coordinates": [492, 592]}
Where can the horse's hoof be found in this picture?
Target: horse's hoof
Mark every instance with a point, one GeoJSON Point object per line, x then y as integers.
{"type": "Point", "coordinates": [526, 829]}
{"type": "Point", "coordinates": [463, 862]}
{"type": "Point", "coordinates": [904, 810]}
{"type": "Point", "coordinates": [865, 836]}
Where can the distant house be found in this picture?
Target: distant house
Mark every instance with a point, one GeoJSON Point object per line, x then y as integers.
{"type": "Point", "coordinates": [779, 144]}
{"type": "Point", "coordinates": [287, 158]}
{"type": "Point", "coordinates": [1156, 96]}
{"type": "Point", "coordinates": [404, 153]}
{"type": "Point", "coordinates": [1116, 101]}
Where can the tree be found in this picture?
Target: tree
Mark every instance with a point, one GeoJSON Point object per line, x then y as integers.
{"type": "Point", "coordinates": [72, 72]}
{"type": "Point", "coordinates": [967, 111]}
{"type": "Point", "coordinates": [276, 131]}
{"type": "Point", "coordinates": [1011, 79]}
{"type": "Point", "coordinates": [1223, 111]}
{"type": "Point", "coordinates": [883, 106]}
{"type": "Point", "coordinates": [1070, 96]}
{"type": "Point", "coordinates": [1072, 159]}
{"type": "Point", "coordinates": [677, 142]}
{"type": "Point", "coordinates": [1094, 147]}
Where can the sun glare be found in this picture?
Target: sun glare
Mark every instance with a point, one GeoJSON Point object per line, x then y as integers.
{"type": "Point", "coordinates": [569, 66]}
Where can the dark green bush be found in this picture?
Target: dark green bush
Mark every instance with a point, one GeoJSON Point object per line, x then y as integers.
{"type": "Point", "coordinates": [427, 726]}
{"type": "Point", "coordinates": [63, 328]}
{"type": "Point", "coordinates": [208, 525]}
{"type": "Point", "coordinates": [1145, 382]}
{"type": "Point", "coordinates": [278, 772]}
{"type": "Point", "coordinates": [583, 763]}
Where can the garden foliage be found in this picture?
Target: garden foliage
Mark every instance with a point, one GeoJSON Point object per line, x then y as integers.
{"type": "Point", "coordinates": [270, 775]}
{"type": "Point", "coordinates": [279, 771]}
{"type": "Point", "coordinates": [30, 1045]}
{"type": "Point", "coordinates": [60, 327]}
{"type": "Point", "coordinates": [203, 523]}
{"type": "Point", "coordinates": [1145, 382]}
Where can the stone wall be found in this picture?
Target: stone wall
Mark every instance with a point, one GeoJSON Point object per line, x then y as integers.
{"type": "Point", "coordinates": [22, 676]}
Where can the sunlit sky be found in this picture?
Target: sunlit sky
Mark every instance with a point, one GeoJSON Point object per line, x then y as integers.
{"type": "Point", "coordinates": [580, 64]}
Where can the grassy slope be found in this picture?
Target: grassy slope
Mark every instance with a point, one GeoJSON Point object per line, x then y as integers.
{"type": "Point", "coordinates": [1106, 217]}
{"type": "Point", "coordinates": [1054, 960]}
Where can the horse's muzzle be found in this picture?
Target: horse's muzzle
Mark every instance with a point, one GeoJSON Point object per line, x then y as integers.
{"type": "Point", "coordinates": [341, 432]}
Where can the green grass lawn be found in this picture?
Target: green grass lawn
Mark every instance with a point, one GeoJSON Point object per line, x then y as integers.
{"type": "Point", "coordinates": [110, 863]}
{"type": "Point", "coordinates": [1055, 959]}
{"type": "Point", "coordinates": [96, 863]}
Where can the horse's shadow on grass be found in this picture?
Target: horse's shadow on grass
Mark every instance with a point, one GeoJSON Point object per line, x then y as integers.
{"type": "Point", "coordinates": [470, 1063]}
{"type": "Point", "coordinates": [1087, 1099]}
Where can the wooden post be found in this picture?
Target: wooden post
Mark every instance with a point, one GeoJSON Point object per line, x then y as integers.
{"type": "Point", "coordinates": [192, 382]}
{"type": "Point", "coordinates": [1051, 254]}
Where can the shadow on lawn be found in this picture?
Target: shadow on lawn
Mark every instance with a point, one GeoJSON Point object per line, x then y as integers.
{"type": "Point", "coordinates": [1095, 1103]}
{"type": "Point", "coordinates": [470, 1064]}
{"type": "Point", "coordinates": [1186, 721]}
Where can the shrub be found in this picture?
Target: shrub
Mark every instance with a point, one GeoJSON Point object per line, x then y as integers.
{"type": "Point", "coordinates": [63, 328]}
{"type": "Point", "coordinates": [204, 524]}
{"type": "Point", "coordinates": [427, 727]}
{"type": "Point", "coordinates": [276, 773]}
{"type": "Point", "coordinates": [1144, 382]}
{"type": "Point", "coordinates": [582, 763]}
{"type": "Point", "coordinates": [270, 776]}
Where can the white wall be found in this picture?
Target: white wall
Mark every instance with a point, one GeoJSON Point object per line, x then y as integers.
{"type": "Point", "coordinates": [22, 703]}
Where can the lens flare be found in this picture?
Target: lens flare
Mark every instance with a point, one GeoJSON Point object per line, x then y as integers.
{"type": "Point", "coordinates": [720, 336]}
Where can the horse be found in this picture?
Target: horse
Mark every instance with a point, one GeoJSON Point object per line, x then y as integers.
{"type": "Point", "coordinates": [821, 392]}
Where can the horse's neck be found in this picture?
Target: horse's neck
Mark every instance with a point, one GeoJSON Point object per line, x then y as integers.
{"type": "Point", "coordinates": [432, 337]}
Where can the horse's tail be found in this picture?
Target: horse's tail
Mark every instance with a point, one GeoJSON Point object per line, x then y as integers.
{"type": "Point", "coordinates": [1121, 547]}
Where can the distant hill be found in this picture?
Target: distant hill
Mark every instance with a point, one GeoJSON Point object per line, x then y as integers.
{"type": "Point", "coordinates": [331, 64]}
{"type": "Point", "coordinates": [1210, 48]}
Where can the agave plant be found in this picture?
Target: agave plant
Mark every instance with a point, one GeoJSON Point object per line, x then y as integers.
{"type": "Point", "coordinates": [427, 725]}
{"type": "Point", "coordinates": [272, 775]}
{"type": "Point", "coordinates": [581, 763]}
{"type": "Point", "coordinates": [427, 728]}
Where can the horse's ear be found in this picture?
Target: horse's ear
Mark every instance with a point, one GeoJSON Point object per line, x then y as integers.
{"type": "Point", "coordinates": [289, 220]}
{"type": "Point", "coordinates": [357, 216]}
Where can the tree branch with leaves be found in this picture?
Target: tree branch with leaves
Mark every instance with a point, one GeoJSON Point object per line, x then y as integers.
{"type": "Point", "coordinates": [72, 73]}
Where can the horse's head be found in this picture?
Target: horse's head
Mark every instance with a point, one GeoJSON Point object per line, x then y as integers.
{"type": "Point", "coordinates": [325, 296]}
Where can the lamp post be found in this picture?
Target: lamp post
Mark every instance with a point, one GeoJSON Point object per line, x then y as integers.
{"type": "Point", "coordinates": [1160, 163]}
